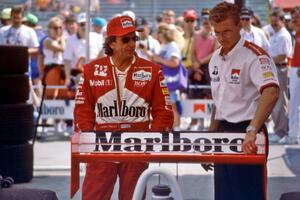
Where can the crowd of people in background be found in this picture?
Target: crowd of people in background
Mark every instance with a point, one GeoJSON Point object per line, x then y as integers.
{"type": "Point", "coordinates": [57, 53]}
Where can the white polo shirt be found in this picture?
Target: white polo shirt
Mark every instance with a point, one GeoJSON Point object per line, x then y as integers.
{"type": "Point", "coordinates": [256, 36]}
{"type": "Point", "coordinates": [237, 80]}
{"type": "Point", "coordinates": [76, 47]}
{"type": "Point", "coordinates": [281, 43]}
{"type": "Point", "coordinates": [21, 36]}
{"type": "Point", "coordinates": [151, 44]}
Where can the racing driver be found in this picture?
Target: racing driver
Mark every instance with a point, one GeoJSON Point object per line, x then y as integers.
{"type": "Point", "coordinates": [120, 92]}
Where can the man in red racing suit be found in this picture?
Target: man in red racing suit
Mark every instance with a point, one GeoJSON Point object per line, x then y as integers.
{"type": "Point", "coordinates": [119, 93]}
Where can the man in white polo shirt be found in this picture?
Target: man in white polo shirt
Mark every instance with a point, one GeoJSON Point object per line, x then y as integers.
{"type": "Point", "coordinates": [74, 54]}
{"type": "Point", "coordinates": [280, 50]}
{"type": "Point", "coordinates": [252, 33]}
{"type": "Point", "coordinates": [245, 89]}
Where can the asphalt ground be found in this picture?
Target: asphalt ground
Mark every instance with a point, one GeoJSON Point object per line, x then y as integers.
{"type": "Point", "coordinates": [52, 171]}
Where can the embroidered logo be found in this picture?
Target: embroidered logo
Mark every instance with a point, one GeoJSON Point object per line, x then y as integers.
{"type": "Point", "coordinates": [100, 70]}
{"type": "Point", "coordinates": [235, 76]}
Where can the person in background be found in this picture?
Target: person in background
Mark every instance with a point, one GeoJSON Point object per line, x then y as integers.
{"type": "Point", "coordinates": [169, 56]}
{"type": "Point", "coordinates": [31, 20]}
{"type": "Point", "coordinates": [252, 33]}
{"type": "Point", "coordinates": [53, 48]}
{"type": "Point", "coordinates": [255, 20]}
{"type": "Point", "coordinates": [129, 82]}
{"type": "Point", "coordinates": [168, 17]}
{"type": "Point", "coordinates": [289, 24]}
{"type": "Point", "coordinates": [98, 24]}
{"type": "Point", "coordinates": [245, 89]}
{"type": "Point", "coordinates": [294, 86]}
{"type": "Point", "coordinates": [6, 16]}
{"type": "Point", "coordinates": [71, 26]}
{"type": "Point", "coordinates": [129, 13]}
{"type": "Point", "coordinates": [18, 34]}
{"type": "Point", "coordinates": [189, 24]}
{"type": "Point", "coordinates": [147, 45]}
{"type": "Point", "coordinates": [75, 51]}
{"type": "Point", "coordinates": [99, 27]}
{"type": "Point", "coordinates": [205, 43]}
{"type": "Point", "coordinates": [280, 50]}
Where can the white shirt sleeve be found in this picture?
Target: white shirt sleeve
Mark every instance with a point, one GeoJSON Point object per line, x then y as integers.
{"type": "Point", "coordinates": [173, 51]}
{"type": "Point", "coordinates": [156, 47]}
{"type": "Point", "coordinates": [263, 72]}
{"type": "Point", "coordinates": [68, 49]}
{"type": "Point", "coordinates": [265, 41]}
{"type": "Point", "coordinates": [34, 42]}
{"type": "Point", "coordinates": [287, 46]}
{"type": "Point", "coordinates": [1, 36]}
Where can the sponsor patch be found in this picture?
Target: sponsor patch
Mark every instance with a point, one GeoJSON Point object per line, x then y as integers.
{"type": "Point", "coordinates": [126, 23]}
{"type": "Point", "coordinates": [235, 76]}
{"type": "Point", "coordinates": [216, 71]}
{"type": "Point", "coordinates": [264, 61]}
{"type": "Point", "coordinates": [168, 100]}
{"type": "Point", "coordinates": [125, 110]}
{"type": "Point", "coordinates": [100, 70]}
{"type": "Point", "coordinates": [215, 79]}
{"type": "Point", "coordinates": [141, 75]}
{"type": "Point", "coordinates": [139, 83]}
{"type": "Point", "coordinates": [163, 83]}
{"type": "Point", "coordinates": [99, 83]}
{"type": "Point", "coordinates": [165, 91]}
{"type": "Point", "coordinates": [266, 67]}
{"type": "Point", "coordinates": [268, 75]}
{"type": "Point", "coordinates": [79, 102]}
{"type": "Point", "coordinates": [78, 93]}
{"type": "Point", "coordinates": [215, 75]}
{"type": "Point", "coordinates": [199, 107]}
{"type": "Point", "coordinates": [81, 80]}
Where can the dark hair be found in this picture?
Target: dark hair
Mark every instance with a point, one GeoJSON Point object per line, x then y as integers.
{"type": "Point", "coordinates": [223, 11]}
{"type": "Point", "coordinates": [296, 9]}
{"type": "Point", "coordinates": [277, 12]}
{"type": "Point", "coordinates": [17, 9]}
{"type": "Point", "coordinates": [70, 19]}
{"type": "Point", "coordinates": [205, 11]}
{"type": "Point", "coordinates": [108, 40]}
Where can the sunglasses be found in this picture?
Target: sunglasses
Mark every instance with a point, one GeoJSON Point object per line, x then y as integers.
{"type": "Point", "coordinates": [57, 28]}
{"type": "Point", "coordinates": [245, 19]}
{"type": "Point", "coordinates": [82, 24]}
{"type": "Point", "coordinates": [204, 18]}
{"type": "Point", "coordinates": [127, 39]}
{"type": "Point", "coordinates": [189, 20]}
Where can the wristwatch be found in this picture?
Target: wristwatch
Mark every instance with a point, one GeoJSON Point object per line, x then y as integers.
{"type": "Point", "coordinates": [250, 128]}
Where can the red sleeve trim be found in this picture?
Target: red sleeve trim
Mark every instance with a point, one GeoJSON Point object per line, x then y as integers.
{"type": "Point", "coordinates": [255, 49]}
{"type": "Point", "coordinates": [268, 85]}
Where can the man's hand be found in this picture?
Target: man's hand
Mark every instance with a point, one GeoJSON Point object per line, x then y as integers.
{"type": "Point", "coordinates": [196, 65]}
{"type": "Point", "coordinates": [198, 75]}
{"type": "Point", "coordinates": [249, 146]}
{"type": "Point", "coordinates": [156, 58]}
{"type": "Point", "coordinates": [208, 167]}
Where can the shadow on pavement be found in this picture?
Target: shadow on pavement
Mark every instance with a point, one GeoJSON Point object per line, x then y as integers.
{"type": "Point", "coordinates": [194, 187]}
{"type": "Point", "coordinates": [292, 160]}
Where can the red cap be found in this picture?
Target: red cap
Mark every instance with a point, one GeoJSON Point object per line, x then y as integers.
{"type": "Point", "coordinates": [120, 26]}
{"type": "Point", "coordinates": [190, 14]}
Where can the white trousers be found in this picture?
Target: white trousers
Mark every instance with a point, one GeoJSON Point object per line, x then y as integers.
{"type": "Point", "coordinates": [294, 104]}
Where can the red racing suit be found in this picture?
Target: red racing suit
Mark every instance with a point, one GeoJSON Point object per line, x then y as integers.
{"type": "Point", "coordinates": [100, 105]}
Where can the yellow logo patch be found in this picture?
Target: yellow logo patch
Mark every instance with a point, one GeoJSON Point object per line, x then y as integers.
{"type": "Point", "coordinates": [268, 74]}
{"type": "Point", "coordinates": [165, 91]}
